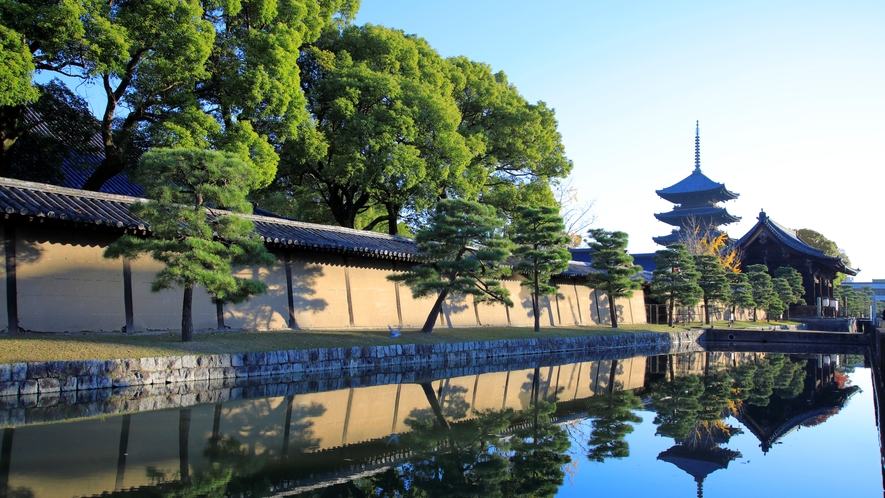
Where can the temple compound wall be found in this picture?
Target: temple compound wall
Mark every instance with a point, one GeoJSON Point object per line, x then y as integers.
{"type": "Point", "coordinates": [58, 281]}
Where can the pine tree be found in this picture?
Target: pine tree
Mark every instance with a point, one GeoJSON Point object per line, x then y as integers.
{"type": "Point", "coordinates": [196, 248]}
{"type": "Point", "coordinates": [463, 251]}
{"type": "Point", "coordinates": [740, 293]}
{"type": "Point", "coordinates": [675, 279]}
{"type": "Point", "coordinates": [712, 281]}
{"type": "Point", "coordinates": [761, 287]}
{"type": "Point", "coordinates": [541, 248]}
{"type": "Point", "coordinates": [616, 270]}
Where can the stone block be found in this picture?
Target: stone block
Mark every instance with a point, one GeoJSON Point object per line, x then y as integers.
{"type": "Point", "coordinates": [28, 387]}
{"type": "Point", "coordinates": [9, 388]}
{"type": "Point", "coordinates": [48, 385]}
{"type": "Point", "coordinates": [237, 360]}
{"type": "Point", "coordinates": [189, 361]}
{"type": "Point", "coordinates": [5, 372]}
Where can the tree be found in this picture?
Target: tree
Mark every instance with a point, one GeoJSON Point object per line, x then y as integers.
{"type": "Point", "coordinates": [516, 146]}
{"type": "Point", "coordinates": [184, 186]}
{"type": "Point", "coordinates": [700, 238]}
{"type": "Point", "coordinates": [541, 250]}
{"type": "Point", "coordinates": [794, 279]}
{"type": "Point", "coordinates": [761, 287]}
{"type": "Point", "coordinates": [712, 280]}
{"type": "Point", "coordinates": [384, 129]}
{"type": "Point", "coordinates": [615, 269]}
{"type": "Point", "coordinates": [675, 278]}
{"type": "Point", "coordinates": [463, 252]}
{"type": "Point", "coordinates": [179, 73]}
{"type": "Point", "coordinates": [740, 292]}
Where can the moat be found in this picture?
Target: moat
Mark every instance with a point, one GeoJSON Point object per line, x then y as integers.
{"type": "Point", "coordinates": [699, 423]}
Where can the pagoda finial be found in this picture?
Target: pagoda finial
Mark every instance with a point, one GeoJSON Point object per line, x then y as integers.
{"type": "Point", "coordinates": [697, 146]}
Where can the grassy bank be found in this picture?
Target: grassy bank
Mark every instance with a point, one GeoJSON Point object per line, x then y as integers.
{"type": "Point", "coordinates": [51, 347]}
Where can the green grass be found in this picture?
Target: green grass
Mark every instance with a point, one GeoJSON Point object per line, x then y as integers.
{"type": "Point", "coordinates": [51, 347]}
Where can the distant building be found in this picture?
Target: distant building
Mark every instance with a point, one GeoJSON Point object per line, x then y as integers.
{"type": "Point", "coordinates": [696, 201]}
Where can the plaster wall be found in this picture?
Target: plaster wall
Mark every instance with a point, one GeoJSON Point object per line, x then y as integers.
{"type": "Point", "coordinates": [162, 310]}
{"type": "Point", "coordinates": [4, 317]}
{"type": "Point", "coordinates": [66, 285]}
{"type": "Point", "coordinates": [267, 311]}
{"type": "Point", "coordinates": [319, 289]}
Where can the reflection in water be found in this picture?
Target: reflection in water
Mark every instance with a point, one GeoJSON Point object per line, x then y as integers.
{"type": "Point", "coordinates": [517, 433]}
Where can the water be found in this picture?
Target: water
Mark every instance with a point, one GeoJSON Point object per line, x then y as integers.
{"type": "Point", "coordinates": [680, 425]}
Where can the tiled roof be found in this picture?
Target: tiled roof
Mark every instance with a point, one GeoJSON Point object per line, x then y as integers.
{"type": "Point", "coordinates": [696, 183]}
{"type": "Point", "coordinates": [789, 238]}
{"type": "Point", "coordinates": [28, 199]}
{"type": "Point", "coordinates": [718, 215]}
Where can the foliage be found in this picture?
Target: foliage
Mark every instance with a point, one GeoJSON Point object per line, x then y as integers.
{"type": "Point", "coordinates": [463, 252]}
{"type": "Point", "coordinates": [712, 280]}
{"type": "Point", "coordinates": [856, 302]}
{"type": "Point", "coordinates": [615, 269]}
{"type": "Point", "coordinates": [794, 280]}
{"type": "Point", "coordinates": [538, 453]}
{"type": "Point", "coordinates": [383, 132]}
{"type": "Point", "coordinates": [677, 405]}
{"type": "Point", "coordinates": [195, 248]}
{"type": "Point", "coordinates": [516, 146]}
{"type": "Point", "coordinates": [540, 247]}
{"type": "Point", "coordinates": [764, 295]}
{"type": "Point", "coordinates": [16, 68]}
{"type": "Point", "coordinates": [740, 292]}
{"type": "Point", "coordinates": [675, 278]}
{"type": "Point", "coordinates": [183, 73]}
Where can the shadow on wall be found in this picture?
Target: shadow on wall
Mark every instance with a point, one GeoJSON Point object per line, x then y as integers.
{"type": "Point", "coordinates": [453, 305]}
{"type": "Point", "coordinates": [306, 276]}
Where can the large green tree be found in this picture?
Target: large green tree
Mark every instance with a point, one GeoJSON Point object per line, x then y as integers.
{"type": "Point", "coordinates": [712, 280]}
{"type": "Point", "coordinates": [196, 247]}
{"type": "Point", "coordinates": [516, 146]}
{"type": "Point", "coordinates": [675, 279]}
{"type": "Point", "coordinates": [541, 249]}
{"type": "Point", "coordinates": [383, 134]}
{"type": "Point", "coordinates": [173, 73]}
{"type": "Point", "coordinates": [615, 272]}
{"type": "Point", "coordinates": [463, 252]}
{"type": "Point", "coordinates": [612, 416]}
{"type": "Point", "coordinates": [818, 240]}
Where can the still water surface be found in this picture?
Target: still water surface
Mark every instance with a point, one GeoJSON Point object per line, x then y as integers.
{"type": "Point", "coordinates": [699, 424]}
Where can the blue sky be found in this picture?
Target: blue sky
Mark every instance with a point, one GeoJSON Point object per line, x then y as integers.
{"type": "Point", "coordinates": [790, 98]}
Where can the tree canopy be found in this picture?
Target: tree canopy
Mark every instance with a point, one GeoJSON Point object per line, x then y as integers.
{"type": "Point", "coordinates": [675, 278]}
{"type": "Point", "coordinates": [712, 280]}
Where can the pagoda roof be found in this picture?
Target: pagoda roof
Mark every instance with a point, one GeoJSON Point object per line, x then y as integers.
{"type": "Point", "coordinates": [789, 238]}
{"type": "Point", "coordinates": [694, 185]}
{"type": "Point", "coordinates": [715, 214]}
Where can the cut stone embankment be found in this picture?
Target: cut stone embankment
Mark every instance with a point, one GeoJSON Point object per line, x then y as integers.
{"type": "Point", "coordinates": [57, 390]}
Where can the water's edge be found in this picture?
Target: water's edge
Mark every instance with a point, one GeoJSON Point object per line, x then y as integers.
{"type": "Point", "coordinates": [41, 392]}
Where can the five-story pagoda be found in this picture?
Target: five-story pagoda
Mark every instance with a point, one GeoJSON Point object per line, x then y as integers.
{"type": "Point", "coordinates": [696, 201]}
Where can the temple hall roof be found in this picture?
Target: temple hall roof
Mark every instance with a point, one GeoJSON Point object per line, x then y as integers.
{"type": "Point", "coordinates": [789, 238]}
{"type": "Point", "coordinates": [715, 214]}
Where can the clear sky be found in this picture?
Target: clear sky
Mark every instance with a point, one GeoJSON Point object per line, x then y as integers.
{"type": "Point", "coordinates": [790, 96]}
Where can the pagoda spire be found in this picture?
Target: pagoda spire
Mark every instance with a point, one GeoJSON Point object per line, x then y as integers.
{"type": "Point", "coordinates": [697, 146]}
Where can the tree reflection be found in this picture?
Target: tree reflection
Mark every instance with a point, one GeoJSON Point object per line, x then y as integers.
{"type": "Point", "coordinates": [612, 415]}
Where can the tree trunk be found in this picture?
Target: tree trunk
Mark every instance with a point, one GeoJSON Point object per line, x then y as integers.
{"type": "Point", "coordinates": [434, 312]}
{"type": "Point", "coordinates": [670, 312]}
{"type": "Point", "coordinates": [536, 306]}
{"type": "Point", "coordinates": [187, 319]}
{"type": "Point", "coordinates": [393, 218]}
{"type": "Point", "coordinates": [111, 166]}
{"type": "Point", "coordinates": [611, 310]}
{"type": "Point", "coordinates": [706, 312]}
{"type": "Point", "coordinates": [10, 132]}
{"type": "Point", "coordinates": [219, 315]}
